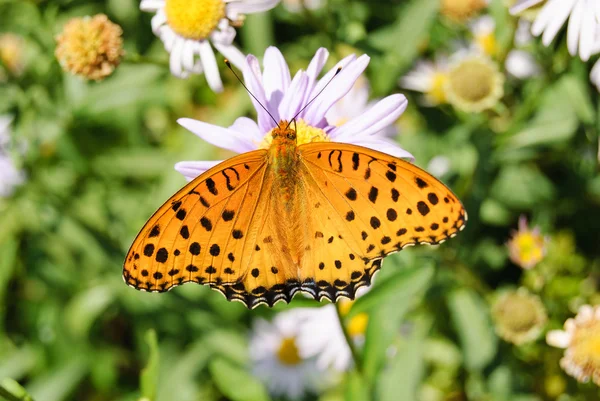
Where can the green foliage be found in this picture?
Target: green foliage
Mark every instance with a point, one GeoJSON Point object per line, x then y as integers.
{"type": "Point", "coordinates": [98, 160]}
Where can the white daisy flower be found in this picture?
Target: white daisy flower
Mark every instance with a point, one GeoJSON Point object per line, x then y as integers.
{"type": "Point", "coordinates": [295, 6]}
{"type": "Point", "coordinates": [277, 361]}
{"type": "Point", "coordinates": [439, 165]}
{"type": "Point", "coordinates": [483, 30]}
{"type": "Point", "coordinates": [320, 335]}
{"type": "Point", "coordinates": [584, 22]}
{"type": "Point", "coordinates": [285, 97]}
{"type": "Point", "coordinates": [521, 64]}
{"type": "Point", "coordinates": [10, 175]}
{"type": "Point", "coordinates": [428, 77]}
{"type": "Point", "coordinates": [581, 339]}
{"type": "Point", "coordinates": [192, 28]}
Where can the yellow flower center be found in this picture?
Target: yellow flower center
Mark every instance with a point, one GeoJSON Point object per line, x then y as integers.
{"type": "Point", "coordinates": [584, 350]}
{"type": "Point", "coordinates": [357, 326]}
{"type": "Point", "coordinates": [519, 316]}
{"type": "Point", "coordinates": [194, 19]}
{"type": "Point", "coordinates": [461, 10]}
{"type": "Point", "coordinates": [288, 352]}
{"type": "Point", "coordinates": [487, 43]}
{"type": "Point", "coordinates": [529, 247]}
{"type": "Point", "coordinates": [304, 134]}
{"type": "Point", "coordinates": [437, 92]}
{"type": "Point", "coordinates": [91, 47]}
{"type": "Point", "coordinates": [11, 52]}
{"type": "Point", "coordinates": [474, 84]}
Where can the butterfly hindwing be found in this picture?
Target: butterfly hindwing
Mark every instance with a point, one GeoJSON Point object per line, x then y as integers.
{"type": "Point", "coordinates": [201, 232]}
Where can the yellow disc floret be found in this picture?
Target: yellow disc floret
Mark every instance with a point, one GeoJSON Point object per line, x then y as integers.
{"type": "Point", "coordinates": [91, 47]}
{"type": "Point", "coordinates": [474, 84]}
{"type": "Point", "coordinates": [487, 43]}
{"type": "Point", "coordinates": [304, 134]}
{"type": "Point", "coordinates": [519, 316]}
{"type": "Point", "coordinates": [436, 93]}
{"type": "Point", "coordinates": [194, 19]}
{"type": "Point", "coordinates": [288, 352]}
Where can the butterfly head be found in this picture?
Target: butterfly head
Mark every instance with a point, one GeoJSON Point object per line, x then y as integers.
{"type": "Point", "coordinates": [284, 134]}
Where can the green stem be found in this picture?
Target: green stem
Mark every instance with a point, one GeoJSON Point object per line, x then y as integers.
{"type": "Point", "coordinates": [355, 355]}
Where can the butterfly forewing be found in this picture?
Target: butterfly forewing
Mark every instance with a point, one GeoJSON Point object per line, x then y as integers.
{"type": "Point", "coordinates": [200, 233]}
{"type": "Point", "coordinates": [386, 203]}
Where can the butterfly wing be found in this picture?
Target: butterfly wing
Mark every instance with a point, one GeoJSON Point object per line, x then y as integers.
{"type": "Point", "coordinates": [366, 205]}
{"type": "Point", "coordinates": [203, 233]}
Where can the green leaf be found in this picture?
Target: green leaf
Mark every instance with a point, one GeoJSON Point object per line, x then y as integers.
{"type": "Point", "coordinates": [470, 318]}
{"type": "Point", "coordinates": [522, 187]}
{"type": "Point", "coordinates": [13, 391]}
{"type": "Point", "coordinates": [403, 284]}
{"type": "Point", "coordinates": [412, 26]}
{"type": "Point", "coordinates": [149, 375]}
{"type": "Point", "coordinates": [577, 95]}
{"type": "Point", "coordinates": [384, 321]}
{"type": "Point", "coordinates": [60, 381]}
{"type": "Point", "coordinates": [87, 306]}
{"type": "Point", "coordinates": [400, 381]}
{"type": "Point", "coordinates": [236, 383]}
{"type": "Point", "coordinates": [356, 387]}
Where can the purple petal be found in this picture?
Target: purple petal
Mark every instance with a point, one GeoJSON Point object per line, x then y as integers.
{"type": "Point", "coordinates": [380, 116]}
{"type": "Point", "coordinates": [292, 101]}
{"type": "Point", "coordinates": [222, 137]}
{"type": "Point", "coordinates": [247, 128]}
{"type": "Point", "coordinates": [276, 76]}
{"type": "Point", "coordinates": [253, 80]}
{"type": "Point", "coordinates": [193, 169]}
{"type": "Point", "coordinates": [383, 145]}
{"type": "Point", "coordinates": [338, 88]}
{"type": "Point", "coordinates": [316, 65]}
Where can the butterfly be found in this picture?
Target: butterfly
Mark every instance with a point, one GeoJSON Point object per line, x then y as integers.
{"type": "Point", "coordinates": [317, 218]}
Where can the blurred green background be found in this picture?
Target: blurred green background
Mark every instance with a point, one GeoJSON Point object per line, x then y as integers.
{"type": "Point", "coordinates": [98, 159]}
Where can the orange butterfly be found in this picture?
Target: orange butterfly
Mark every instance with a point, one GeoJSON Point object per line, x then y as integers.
{"type": "Point", "coordinates": [317, 218]}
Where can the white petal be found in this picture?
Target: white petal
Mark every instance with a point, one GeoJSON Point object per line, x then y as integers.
{"type": "Point", "coordinates": [584, 314]}
{"type": "Point", "coordinates": [522, 64]}
{"type": "Point", "coordinates": [558, 338]}
{"type": "Point", "coordinates": [327, 77]}
{"type": "Point", "coordinates": [522, 5]}
{"type": "Point", "coordinates": [378, 117]}
{"type": "Point", "coordinates": [151, 5]}
{"type": "Point", "coordinates": [159, 19]}
{"type": "Point", "coordinates": [222, 137]}
{"type": "Point", "coordinates": [187, 55]}
{"type": "Point", "coordinates": [231, 53]}
{"type": "Point", "coordinates": [575, 27]}
{"type": "Point", "coordinates": [250, 6]}
{"type": "Point", "coordinates": [587, 34]}
{"type": "Point", "coordinates": [276, 75]}
{"type": "Point", "coordinates": [192, 169]}
{"type": "Point", "coordinates": [209, 64]}
{"type": "Point", "coordinates": [553, 17]}
{"type": "Point", "coordinates": [175, 59]}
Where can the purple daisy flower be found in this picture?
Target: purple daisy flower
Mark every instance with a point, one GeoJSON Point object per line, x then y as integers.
{"type": "Point", "coordinates": [284, 97]}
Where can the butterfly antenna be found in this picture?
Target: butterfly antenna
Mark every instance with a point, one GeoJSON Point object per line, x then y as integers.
{"type": "Point", "coordinates": [251, 94]}
{"type": "Point", "coordinates": [315, 97]}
